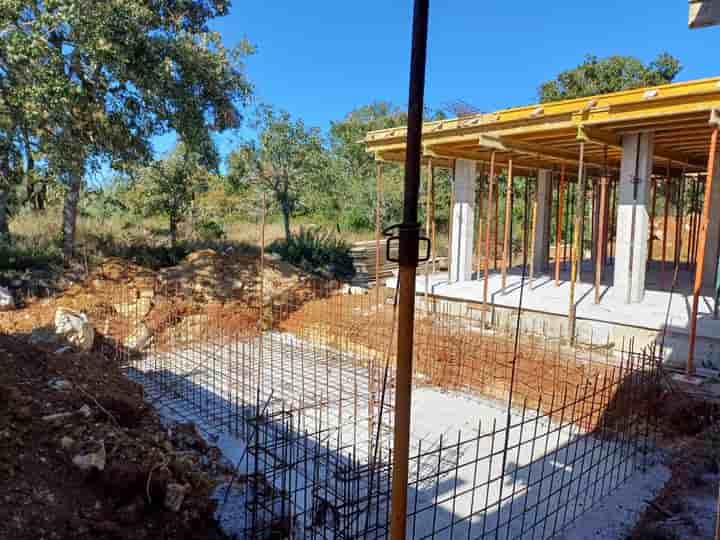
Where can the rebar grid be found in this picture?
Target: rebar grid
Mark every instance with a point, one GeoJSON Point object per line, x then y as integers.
{"type": "Point", "coordinates": [306, 381]}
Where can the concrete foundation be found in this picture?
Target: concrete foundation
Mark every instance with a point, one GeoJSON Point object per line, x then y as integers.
{"type": "Point", "coordinates": [661, 319]}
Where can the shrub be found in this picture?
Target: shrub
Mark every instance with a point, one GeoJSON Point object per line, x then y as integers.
{"type": "Point", "coordinates": [317, 251]}
{"type": "Point", "coordinates": [210, 230]}
{"type": "Point", "coordinates": [21, 257]}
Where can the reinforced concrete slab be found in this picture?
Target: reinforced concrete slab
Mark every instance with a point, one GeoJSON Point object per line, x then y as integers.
{"type": "Point", "coordinates": [661, 317]}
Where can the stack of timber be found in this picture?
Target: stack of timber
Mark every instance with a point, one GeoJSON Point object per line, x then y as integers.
{"type": "Point", "coordinates": [363, 255]}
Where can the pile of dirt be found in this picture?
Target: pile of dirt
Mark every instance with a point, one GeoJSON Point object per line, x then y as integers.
{"type": "Point", "coordinates": [207, 293]}
{"type": "Point", "coordinates": [83, 456]}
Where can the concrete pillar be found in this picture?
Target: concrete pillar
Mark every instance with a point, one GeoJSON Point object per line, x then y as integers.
{"type": "Point", "coordinates": [634, 199]}
{"type": "Point", "coordinates": [712, 245]}
{"type": "Point", "coordinates": [542, 226]}
{"type": "Point", "coordinates": [463, 220]}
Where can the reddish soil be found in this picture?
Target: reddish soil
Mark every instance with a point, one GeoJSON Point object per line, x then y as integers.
{"type": "Point", "coordinates": [44, 495]}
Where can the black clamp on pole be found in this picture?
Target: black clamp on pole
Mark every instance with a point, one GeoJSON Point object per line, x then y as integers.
{"type": "Point", "coordinates": [406, 234]}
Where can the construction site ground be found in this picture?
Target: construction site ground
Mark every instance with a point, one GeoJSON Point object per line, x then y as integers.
{"type": "Point", "coordinates": [45, 495]}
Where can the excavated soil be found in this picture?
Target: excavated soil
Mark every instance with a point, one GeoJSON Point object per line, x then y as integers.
{"type": "Point", "coordinates": [44, 494]}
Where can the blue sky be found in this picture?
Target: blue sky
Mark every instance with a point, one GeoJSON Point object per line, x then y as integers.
{"type": "Point", "coordinates": [319, 59]}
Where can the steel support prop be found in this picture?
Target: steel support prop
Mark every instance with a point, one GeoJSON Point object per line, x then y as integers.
{"type": "Point", "coordinates": [490, 199]}
{"type": "Point", "coordinates": [577, 241]}
{"type": "Point", "coordinates": [409, 246]}
{"type": "Point", "coordinates": [507, 248]}
{"type": "Point", "coordinates": [701, 247]}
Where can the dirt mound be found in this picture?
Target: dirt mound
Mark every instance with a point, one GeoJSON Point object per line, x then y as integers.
{"type": "Point", "coordinates": [61, 412]}
{"type": "Point", "coordinates": [208, 292]}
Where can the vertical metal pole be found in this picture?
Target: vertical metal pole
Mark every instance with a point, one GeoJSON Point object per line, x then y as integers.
{"type": "Point", "coordinates": [451, 221]}
{"type": "Point", "coordinates": [491, 187]}
{"type": "Point", "coordinates": [577, 240]}
{"type": "Point", "coordinates": [433, 244]}
{"type": "Point", "coordinates": [378, 228]}
{"type": "Point", "coordinates": [262, 261]}
{"type": "Point", "coordinates": [428, 191]}
{"type": "Point", "coordinates": [701, 249]}
{"type": "Point", "coordinates": [653, 210]}
{"type": "Point", "coordinates": [533, 225]}
{"type": "Point", "coordinates": [666, 210]}
{"type": "Point", "coordinates": [496, 226]}
{"type": "Point", "coordinates": [508, 218]}
{"type": "Point", "coordinates": [480, 222]}
{"type": "Point", "coordinates": [560, 224]}
{"type": "Point", "coordinates": [409, 239]}
{"type": "Point", "coordinates": [679, 218]}
{"type": "Point", "coordinates": [601, 236]}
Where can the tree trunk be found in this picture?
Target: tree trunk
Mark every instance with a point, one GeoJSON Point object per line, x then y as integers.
{"type": "Point", "coordinates": [173, 229]}
{"type": "Point", "coordinates": [4, 200]}
{"type": "Point", "coordinates": [286, 222]}
{"type": "Point", "coordinates": [4, 213]}
{"type": "Point", "coordinates": [70, 211]}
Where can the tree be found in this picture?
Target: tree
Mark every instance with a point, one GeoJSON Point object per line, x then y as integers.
{"type": "Point", "coordinates": [103, 78]}
{"type": "Point", "coordinates": [287, 160]}
{"type": "Point", "coordinates": [168, 187]}
{"type": "Point", "coordinates": [615, 73]}
{"type": "Point", "coordinates": [353, 168]}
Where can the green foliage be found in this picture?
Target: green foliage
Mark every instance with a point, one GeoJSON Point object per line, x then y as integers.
{"type": "Point", "coordinates": [36, 256]}
{"type": "Point", "coordinates": [95, 81]}
{"type": "Point", "coordinates": [209, 230]}
{"type": "Point", "coordinates": [168, 187]}
{"type": "Point", "coordinates": [615, 73]}
{"type": "Point", "coordinates": [318, 251]}
{"type": "Point", "coordinates": [287, 161]}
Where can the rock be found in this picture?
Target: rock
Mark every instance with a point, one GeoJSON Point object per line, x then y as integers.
{"type": "Point", "coordinates": [92, 460]}
{"type": "Point", "coordinates": [139, 339]}
{"type": "Point", "coordinates": [74, 327]}
{"type": "Point", "coordinates": [174, 496]}
{"type": "Point", "coordinates": [66, 443]}
{"type": "Point", "coordinates": [57, 417]}
{"type": "Point", "coordinates": [7, 301]}
{"type": "Point", "coordinates": [85, 411]}
{"type": "Point", "coordinates": [60, 384]}
{"type": "Point", "coordinates": [353, 289]}
{"type": "Point", "coordinates": [137, 310]}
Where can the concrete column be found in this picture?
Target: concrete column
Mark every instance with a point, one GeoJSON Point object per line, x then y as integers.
{"type": "Point", "coordinates": [542, 226]}
{"type": "Point", "coordinates": [712, 245]}
{"type": "Point", "coordinates": [463, 220]}
{"type": "Point", "coordinates": [634, 199]}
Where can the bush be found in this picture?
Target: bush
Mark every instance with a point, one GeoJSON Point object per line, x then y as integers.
{"type": "Point", "coordinates": [19, 257]}
{"type": "Point", "coordinates": [210, 230]}
{"type": "Point", "coordinates": [316, 251]}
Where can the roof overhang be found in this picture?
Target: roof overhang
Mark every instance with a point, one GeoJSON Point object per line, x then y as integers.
{"type": "Point", "coordinates": [548, 135]}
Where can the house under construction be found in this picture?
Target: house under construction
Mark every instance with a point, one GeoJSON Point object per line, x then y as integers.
{"type": "Point", "coordinates": [623, 206]}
